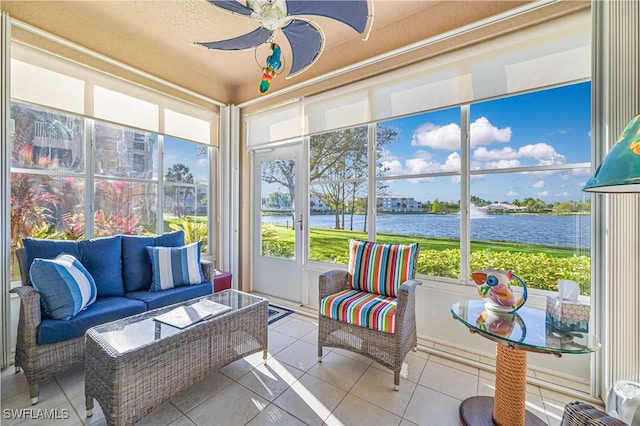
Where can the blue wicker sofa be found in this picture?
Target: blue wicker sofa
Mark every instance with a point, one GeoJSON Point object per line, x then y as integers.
{"type": "Point", "coordinates": [123, 271]}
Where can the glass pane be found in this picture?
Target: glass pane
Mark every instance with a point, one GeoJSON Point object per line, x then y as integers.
{"type": "Point", "coordinates": [278, 208]}
{"type": "Point", "coordinates": [44, 206]}
{"type": "Point", "coordinates": [46, 139]}
{"type": "Point", "coordinates": [536, 223]}
{"type": "Point", "coordinates": [339, 155]}
{"type": "Point", "coordinates": [125, 208]}
{"type": "Point", "coordinates": [338, 213]}
{"type": "Point", "coordinates": [123, 152]}
{"type": "Point", "coordinates": [424, 143]}
{"type": "Point", "coordinates": [186, 190]}
{"type": "Point", "coordinates": [545, 128]}
{"type": "Point", "coordinates": [426, 211]}
{"type": "Point", "coordinates": [542, 233]}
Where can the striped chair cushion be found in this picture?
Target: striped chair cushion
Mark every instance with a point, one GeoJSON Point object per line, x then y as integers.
{"type": "Point", "coordinates": [381, 268]}
{"type": "Point", "coordinates": [175, 266]}
{"type": "Point", "coordinates": [361, 308]}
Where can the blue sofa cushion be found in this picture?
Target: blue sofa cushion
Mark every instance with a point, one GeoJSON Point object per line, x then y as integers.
{"type": "Point", "coordinates": [65, 286]}
{"type": "Point", "coordinates": [136, 264]}
{"type": "Point", "coordinates": [175, 266]}
{"type": "Point", "coordinates": [48, 249]}
{"type": "Point", "coordinates": [102, 258]}
{"type": "Point", "coordinates": [103, 310]}
{"type": "Point", "coordinates": [158, 299]}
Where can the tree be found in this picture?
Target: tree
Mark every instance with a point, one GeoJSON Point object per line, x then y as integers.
{"type": "Point", "coordinates": [179, 173]}
{"type": "Point", "coordinates": [340, 160]}
{"type": "Point", "coordinates": [281, 172]}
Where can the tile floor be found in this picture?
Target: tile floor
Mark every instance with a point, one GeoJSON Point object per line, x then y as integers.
{"type": "Point", "coordinates": [292, 389]}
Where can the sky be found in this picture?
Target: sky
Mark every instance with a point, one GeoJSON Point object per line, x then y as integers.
{"type": "Point", "coordinates": [546, 128]}
{"type": "Point", "coordinates": [177, 151]}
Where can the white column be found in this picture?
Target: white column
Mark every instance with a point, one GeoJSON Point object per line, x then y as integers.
{"type": "Point", "coordinates": [616, 99]}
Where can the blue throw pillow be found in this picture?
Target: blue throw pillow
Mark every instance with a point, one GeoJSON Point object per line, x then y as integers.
{"type": "Point", "coordinates": [48, 249]}
{"type": "Point", "coordinates": [136, 264]}
{"type": "Point", "coordinates": [175, 266]}
{"type": "Point", "coordinates": [103, 259]}
{"type": "Point", "coordinates": [65, 286]}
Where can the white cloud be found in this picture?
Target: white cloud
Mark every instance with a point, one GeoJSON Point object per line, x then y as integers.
{"type": "Point", "coordinates": [437, 137]}
{"type": "Point", "coordinates": [545, 154]}
{"type": "Point", "coordinates": [538, 184]}
{"type": "Point", "coordinates": [484, 154]}
{"type": "Point", "coordinates": [512, 194]}
{"type": "Point", "coordinates": [542, 193]}
{"type": "Point", "coordinates": [502, 164]}
{"type": "Point", "coordinates": [452, 164]}
{"type": "Point", "coordinates": [448, 136]}
{"type": "Point", "coordinates": [485, 133]}
{"type": "Point", "coordinates": [393, 167]}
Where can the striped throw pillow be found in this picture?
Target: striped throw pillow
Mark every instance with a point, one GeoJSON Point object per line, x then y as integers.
{"type": "Point", "coordinates": [65, 286]}
{"type": "Point", "coordinates": [381, 268]}
{"type": "Point", "coordinates": [175, 266]}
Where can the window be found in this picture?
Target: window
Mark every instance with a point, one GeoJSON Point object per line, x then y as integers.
{"type": "Point", "coordinates": [338, 192]}
{"type": "Point", "coordinates": [47, 175]}
{"type": "Point", "coordinates": [418, 188]}
{"type": "Point", "coordinates": [186, 188]}
{"type": "Point", "coordinates": [49, 196]}
{"type": "Point", "coordinates": [529, 156]}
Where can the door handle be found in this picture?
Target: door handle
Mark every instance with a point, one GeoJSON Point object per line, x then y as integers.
{"type": "Point", "coordinates": [300, 222]}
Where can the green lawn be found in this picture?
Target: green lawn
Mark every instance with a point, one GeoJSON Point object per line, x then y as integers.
{"type": "Point", "coordinates": [539, 266]}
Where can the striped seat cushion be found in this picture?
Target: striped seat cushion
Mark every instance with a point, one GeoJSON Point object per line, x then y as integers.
{"type": "Point", "coordinates": [361, 308]}
{"type": "Point", "coordinates": [381, 268]}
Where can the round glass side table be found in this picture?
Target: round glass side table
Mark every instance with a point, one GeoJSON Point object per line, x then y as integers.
{"type": "Point", "coordinates": [515, 335]}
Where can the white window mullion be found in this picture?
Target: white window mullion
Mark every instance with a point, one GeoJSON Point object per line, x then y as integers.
{"type": "Point", "coordinates": [465, 223]}
{"type": "Point", "coordinates": [89, 191]}
{"type": "Point", "coordinates": [372, 181]}
{"type": "Point", "coordinates": [160, 201]}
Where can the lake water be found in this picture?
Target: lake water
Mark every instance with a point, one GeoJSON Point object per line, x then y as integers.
{"type": "Point", "coordinates": [567, 231]}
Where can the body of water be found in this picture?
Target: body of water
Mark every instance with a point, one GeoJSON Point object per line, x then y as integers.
{"type": "Point", "coordinates": [567, 231]}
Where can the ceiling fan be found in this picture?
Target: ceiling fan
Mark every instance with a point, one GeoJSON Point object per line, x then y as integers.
{"type": "Point", "coordinates": [305, 36]}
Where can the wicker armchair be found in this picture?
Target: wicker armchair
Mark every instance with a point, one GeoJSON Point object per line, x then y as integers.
{"type": "Point", "coordinates": [582, 414]}
{"type": "Point", "coordinates": [389, 349]}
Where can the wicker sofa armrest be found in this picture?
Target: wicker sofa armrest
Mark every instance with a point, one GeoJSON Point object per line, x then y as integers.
{"type": "Point", "coordinates": [207, 270]}
{"type": "Point", "coordinates": [332, 282]}
{"type": "Point", "coordinates": [406, 300]}
{"type": "Point", "coordinates": [30, 313]}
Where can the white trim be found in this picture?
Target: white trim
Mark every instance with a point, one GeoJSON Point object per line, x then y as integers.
{"type": "Point", "coordinates": [5, 187]}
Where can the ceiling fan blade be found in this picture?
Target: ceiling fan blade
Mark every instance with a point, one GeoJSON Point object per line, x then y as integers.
{"type": "Point", "coordinates": [252, 39]}
{"type": "Point", "coordinates": [354, 13]}
{"type": "Point", "coordinates": [232, 6]}
{"type": "Point", "coordinates": [306, 42]}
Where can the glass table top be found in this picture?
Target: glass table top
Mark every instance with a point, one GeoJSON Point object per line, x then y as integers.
{"type": "Point", "coordinates": [139, 330]}
{"type": "Point", "coordinates": [525, 329]}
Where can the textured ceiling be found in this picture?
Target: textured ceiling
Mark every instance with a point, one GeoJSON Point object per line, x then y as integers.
{"type": "Point", "coordinates": [154, 36]}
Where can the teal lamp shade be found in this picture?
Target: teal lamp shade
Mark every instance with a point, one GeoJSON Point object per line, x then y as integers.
{"type": "Point", "coordinates": [620, 170]}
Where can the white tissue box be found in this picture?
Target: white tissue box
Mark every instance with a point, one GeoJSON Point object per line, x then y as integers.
{"type": "Point", "coordinates": [565, 315]}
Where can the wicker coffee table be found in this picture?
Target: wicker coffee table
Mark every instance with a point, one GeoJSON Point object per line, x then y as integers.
{"type": "Point", "coordinates": [135, 364]}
